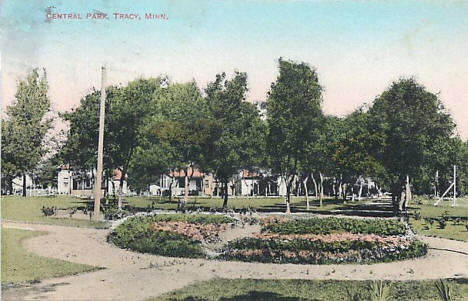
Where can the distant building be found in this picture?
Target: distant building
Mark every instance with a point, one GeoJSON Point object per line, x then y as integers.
{"type": "Point", "coordinates": [82, 183]}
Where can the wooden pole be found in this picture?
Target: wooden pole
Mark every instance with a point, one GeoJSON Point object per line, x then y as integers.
{"type": "Point", "coordinates": [97, 184]}
{"type": "Point", "coordinates": [454, 185]}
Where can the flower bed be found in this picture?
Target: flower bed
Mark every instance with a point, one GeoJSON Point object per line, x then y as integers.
{"type": "Point", "coordinates": [324, 241]}
{"type": "Point", "coordinates": [197, 232]}
{"type": "Point", "coordinates": [175, 235]}
{"type": "Point", "coordinates": [335, 225]}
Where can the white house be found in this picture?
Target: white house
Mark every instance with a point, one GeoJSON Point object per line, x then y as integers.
{"type": "Point", "coordinates": [82, 183]}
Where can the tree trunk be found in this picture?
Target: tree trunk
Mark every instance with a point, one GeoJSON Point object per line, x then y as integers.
{"type": "Point", "coordinates": [186, 187]}
{"type": "Point", "coordinates": [315, 186]}
{"type": "Point", "coordinates": [321, 189]}
{"type": "Point", "coordinates": [120, 190]}
{"type": "Point", "coordinates": [225, 194]}
{"type": "Point", "coordinates": [360, 190]}
{"type": "Point", "coordinates": [340, 189]}
{"type": "Point", "coordinates": [24, 184]}
{"type": "Point", "coordinates": [401, 201]}
{"type": "Point", "coordinates": [170, 189]}
{"type": "Point", "coordinates": [334, 188]}
{"type": "Point", "coordinates": [408, 195]}
{"type": "Point", "coordinates": [306, 191]}
{"type": "Point", "coordinates": [352, 193]}
{"type": "Point", "coordinates": [344, 191]}
{"type": "Point", "coordinates": [287, 197]}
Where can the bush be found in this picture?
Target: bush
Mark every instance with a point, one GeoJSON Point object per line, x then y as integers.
{"type": "Point", "coordinates": [137, 234]}
{"type": "Point", "coordinates": [337, 225]}
{"type": "Point", "coordinates": [252, 250]}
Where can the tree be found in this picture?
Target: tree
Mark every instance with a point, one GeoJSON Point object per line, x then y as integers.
{"type": "Point", "coordinates": [352, 151]}
{"type": "Point", "coordinates": [293, 107]}
{"type": "Point", "coordinates": [183, 129]}
{"type": "Point", "coordinates": [79, 150]}
{"type": "Point", "coordinates": [26, 125]}
{"type": "Point", "coordinates": [408, 121]}
{"type": "Point", "coordinates": [241, 141]}
{"type": "Point", "coordinates": [128, 109]}
{"type": "Point", "coordinates": [9, 169]}
{"type": "Point", "coordinates": [128, 113]}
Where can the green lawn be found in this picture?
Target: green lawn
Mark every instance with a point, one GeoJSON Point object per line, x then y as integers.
{"type": "Point", "coordinates": [456, 225]}
{"type": "Point", "coordinates": [20, 266]}
{"type": "Point", "coordinates": [292, 290]}
{"type": "Point", "coordinates": [28, 209]}
{"type": "Point", "coordinates": [270, 204]}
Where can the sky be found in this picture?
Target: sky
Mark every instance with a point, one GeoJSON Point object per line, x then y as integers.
{"type": "Point", "coordinates": [358, 47]}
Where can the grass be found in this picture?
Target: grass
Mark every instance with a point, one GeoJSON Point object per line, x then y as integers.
{"type": "Point", "coordinates": [21, 266]}
{"type": "Point", "coordinates": [261, 204]}
{"type": "Point", "coordinates": [289, 290]}
{"type": "Point", "coordinates": [427, 210]}
{"type": "Point", "coordinates": [28, 209]}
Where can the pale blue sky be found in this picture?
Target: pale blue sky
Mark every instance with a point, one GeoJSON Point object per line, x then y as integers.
{"type": "Point", "coordinates": [358, 47]}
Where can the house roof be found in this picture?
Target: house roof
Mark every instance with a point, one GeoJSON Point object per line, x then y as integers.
{"type": "Point", "coordinates": [249, 174]}
{"type": "Point", "coordinates": [116, 174]}
{"type": "Point", "coordinates": [181, 173]}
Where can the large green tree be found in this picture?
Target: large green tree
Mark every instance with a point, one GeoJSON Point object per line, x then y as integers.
{"type": "Point", "coordinates": [351, 151]}
{"type": "Point", "coordinates": [26, 125]}
{"type": "Point", "coordinates": [293, 108]}
{"type": "Point", "coordinates": [241, 141]}
{"type": "Point", "coordinates": [410, 122]}
{"type": "Point", "coordinates": [128, 109]}
{"type": "Point", "coordinates": [182, 127]}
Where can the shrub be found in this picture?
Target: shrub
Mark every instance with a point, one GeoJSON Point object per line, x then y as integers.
{"type": "Point", "coordinates": [442, 223]}
{"type": "Point", "coordinates": [138, 234]}
{"type": "Point", "coordinates": [48, 211]}
{"type": "Point", "coordinates": [417, 216]}
{"type": "Point", "coordinates": [379, 291]}
{"type": "Point", "coordinates": [320, 252]}
{"type": "Point", "coordinates": [337, 225]}
{"type": "Point", "coordinates": [444, 290]}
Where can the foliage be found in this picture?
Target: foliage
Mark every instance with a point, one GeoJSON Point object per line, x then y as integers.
{"type": "Point", "coordinates": [48, 211]}
{"type": "Point", "coordinates": [444, 290]}
{"type": "Point", "coordinates": [25, 127]}
{"type": "Point", "coordinates": [410, 123]}
{"type": "Point", "coordinates": [319, 252]}
{"type": "Point", "coordinates": [138, 234]}
{"type": "Point", "coordinates": [293, 112]}
{"type": "Point", "coordinates": [240, 144]}
{"type": "Point", "coordinates": [379, 291]}
{"type": "Point", "coordinates": [126, 113]}
{"type": "Point", "coordinates": [139, 237]}
{"type": "Point", "coordinates": [337, 225]}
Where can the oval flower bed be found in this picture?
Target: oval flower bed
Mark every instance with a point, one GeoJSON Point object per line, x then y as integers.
{"type": "Point", "coordinates": [324, 241]}
{"type": "Point", "coordinates": [175, 235]}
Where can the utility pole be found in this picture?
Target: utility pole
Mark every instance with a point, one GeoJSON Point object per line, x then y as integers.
{"type": "Point", "coordinates": [454, 185]}
{"type": "Point", "coordinates": [98, 181]}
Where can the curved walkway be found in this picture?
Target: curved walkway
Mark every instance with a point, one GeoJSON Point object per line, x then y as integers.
{"type": "Point", "coordinates": [133, 276]}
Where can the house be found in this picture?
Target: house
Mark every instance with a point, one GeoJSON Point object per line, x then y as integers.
{"type": "Point", "coordinates": [200, 184]}
{"type": "Point", "coordinates": [82, 183]}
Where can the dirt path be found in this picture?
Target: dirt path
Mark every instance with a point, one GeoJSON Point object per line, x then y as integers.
{"type": "Point", "coordinates": [132, 276]}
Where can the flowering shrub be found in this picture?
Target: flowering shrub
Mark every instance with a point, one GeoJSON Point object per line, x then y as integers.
{"type": "Point", "coordinates": [175, 235]}
{"type": "Point", "coordinates": [336, 225]}
{"type": "Point", "coordinates": [325, 240]}
{"type": "Point", "coordinates": [319, 252]}
{"type": "Point", "coordinates": [197, 232]}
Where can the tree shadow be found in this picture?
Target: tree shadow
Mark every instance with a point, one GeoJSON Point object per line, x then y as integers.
{"type": "Point", "coordinates": [253, 296]}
